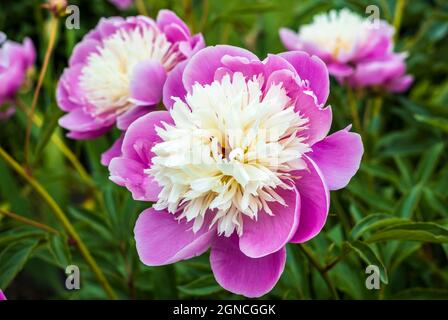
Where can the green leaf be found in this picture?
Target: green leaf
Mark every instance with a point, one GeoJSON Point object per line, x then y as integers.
{"type": "Point", "coordinates": [428, 162]}
{"type": "Point", "coordinates": [368, 255]}
{"type": "Point", "coordinates": [372, 222]}
{"type": "Point", "coordinates": [435, 122]}
{"type": "Point", "coordinates": [412, 231]}
{"type": "Point", "coordinates": [422, 294]}
{"type": "Point", "coordinates": [202, 286]}
{"type": "Point", "coordinates": [14, 258]}
{"type": "Point", "coordinates": [49, 125]}
{"type": "Point", "coordinates": [409, 202]}
{"type": "Point", "coordinates": [60, 250]}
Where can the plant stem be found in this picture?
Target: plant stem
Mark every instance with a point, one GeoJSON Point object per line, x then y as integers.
{"type": "Point", "coordinates": [141, 8]}
{"type": "Point", "coordinates": [310, 256]}
{"type": "Point", "coordinates": [399, 8]}
{"type": "Point", "coordinates": [59, 143]}
{"type": "Point", "coordinates": [29, 221]}
{"type": "Point", "coordinates": [353, 105]}
{"type": "Point", "coordinates": [54, 23]}
{"type": "Point", "coordinates": [61, 216]}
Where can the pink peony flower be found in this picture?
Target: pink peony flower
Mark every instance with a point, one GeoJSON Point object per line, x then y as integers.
{"type": "Point", "coordinates": [357, 51]}
{"type": "Point", "coordinates": [240, 163]}
{"type": "Point", "coordinates": [117, 72]}
{"type": "Point", "coordinates": [2, 296]}
{"type": "Point", "coordinates": [122, 4]}
{"type": "Point", "coordinates": [15, 61]}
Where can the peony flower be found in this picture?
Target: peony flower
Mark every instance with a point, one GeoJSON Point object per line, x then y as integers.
{"type": "Point", "coordinates": [357, 51]}
{"type": "Point", "coordinates": [117, 72]}
{"type": "Point", "coordinates": [2, 296]}
{"type": "Point", "coordinates": [122, 4]}
{"type": "Point", "coordinates": [240, 163]}
{"type": "Point", "coordinates": [15, 61]}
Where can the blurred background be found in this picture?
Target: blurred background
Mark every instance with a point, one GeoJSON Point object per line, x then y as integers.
{"type": "Point", "coordinates": [393, 214]}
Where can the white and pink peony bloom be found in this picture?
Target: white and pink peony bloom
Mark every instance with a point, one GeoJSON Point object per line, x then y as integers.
{"type": "Point", "coordinates": [240, 163]}
{"type": "Point", "coordinates": [357, 51]}
{"type": "Point", "coordinates": [15, 61]}
{"type": "Point", "coordinates": [117, 72]}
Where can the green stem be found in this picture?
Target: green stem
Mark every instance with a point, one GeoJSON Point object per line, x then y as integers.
{"type": "Point", "coordinates": [310, 256]}
{"type": "Point", "coordinates": [61, 216]}
{"type": "Point", "coordinates": [141, 8]}
{"type": "Point", "coordinates": [399, 8]}
{"type": "Point", "coordinates": [353, 105]}
{"type": "Point", "coordinates": [28, 221]}
{"type": "Point", "coordinates": [54, 23]}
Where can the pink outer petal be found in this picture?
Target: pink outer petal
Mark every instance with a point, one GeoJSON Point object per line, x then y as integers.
{"type": "Point", "coordinates": [2, 296]}
{"type": "Point", "coordinates": [141, 136]}
{"type": "Point", "coordinates": [290, 39]}
{"type": "Point", "coordinates": [127, 118]}
{"type": "Point", "coordinates": [319, 119]}
{"type": "Point", "coordinates": [338, 156]}
{"type": "Point", "coordinates": [161, 239]}
{"type": "Point", "coordinates": [147, 80]}
{"type": "Point", "coordinates": [315, 202]}
{"type": "Point", "coordinates": [269, 234]}
{"type": "Point", "coordinates": [400, 84]}
{"type": "Point", "coordinates": [82, 51]}
{"type": "Point", "coordinates": [130, 174]}
{"type": "Point", "coordinates": [313, 69]}
{"type": "Point", "coordinates": [78, 120]}
{"type": "Point", "coordinates": [86, 135]}
{"type": "Point", "coordinates": [202, 66]}
{"type": "Point", "coordinates": [113, 152]}
{"type": "Point", "coordinates": [240, 274]}
{"type": "Point", "coordinates": [166, 18]}
{"type": "Point", "coordinates": [173, 86]}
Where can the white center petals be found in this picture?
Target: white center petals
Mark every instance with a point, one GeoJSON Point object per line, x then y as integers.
{"type": "Point", "coordinates": [106, 77]}
{"type": "Point", "coordinates": [338, 33]}
{"type": "Point", "coordinates": [231, 148]}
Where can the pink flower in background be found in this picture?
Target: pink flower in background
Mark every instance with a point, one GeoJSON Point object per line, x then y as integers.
{"type": "Point", "coordinates": [122, 4]}
{"type": "Point", "coordinates": [2, 296]}
{"type": "Point", "coordinates": [240, 163]}
{"type": "Point", "coordinates": [117, 72]}
{"type": "Point", "coordinates": [357, 51]}
{"type": "Point", "coordinates": [15, 61]}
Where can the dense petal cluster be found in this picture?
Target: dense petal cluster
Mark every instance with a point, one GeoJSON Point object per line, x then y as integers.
{"type": "Point", "coordinates": [15, 61]}
{"type": "Point", "coordinates": [117, 72]}
{"type": "Point", "coordinates": [357, 51]}
{"type": "Point", "coordinates": [240, 163]}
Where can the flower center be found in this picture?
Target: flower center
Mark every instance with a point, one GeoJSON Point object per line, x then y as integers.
{"type": "Point", "coordinates": [232, 145]}
{"type": "Point", "coordinates": [338, 33]}
{"type": "Point", "coordinates": [106, 77]}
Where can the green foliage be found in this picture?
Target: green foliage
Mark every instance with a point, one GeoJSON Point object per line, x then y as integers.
{"type": "Point", "coordinates": [393, 214]}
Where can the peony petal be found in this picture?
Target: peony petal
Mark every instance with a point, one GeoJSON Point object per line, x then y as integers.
{"type": "Point", "coordinates": [2, 295]}
{"type": "Point", "coordinates": [202, 66]}
{"type": "Point", "coordinates": [314, 202]}
{"type": "Point", "coordinates": [161, 239]}
{"type": "Point", "coordinates": [240, 274]}
{"type": "Point", "coordinates": [78, 120]}
{"type": "Point", "coordinates": [174, 86]}
{"type": "Point", "coordinates": [319, 119]}
{"type": "Point", "coordinates": [167, 18]}
{"type": "Point", "coordinates": [141, 136]}
{"type": "Point", "coordinates": [83, 50]}
{"type": "Point", "coordinates": [147, 80]}
{"type": "Point", "coordinates": [289, 39]}
{"type": "Point", "coordinates": [130, 174]}
{"type": "Point", "coordinates": [269, 234]}
{"type": "Point", "coordinates": [113, 152]}
{"type": "Point", "coordinates": [127, 118]}
{"type": "Point", "coordinates": [338, 156]}
{"type": "Point", "coordinates": [313, 69]}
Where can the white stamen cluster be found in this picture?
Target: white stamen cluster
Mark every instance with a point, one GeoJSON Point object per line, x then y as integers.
{"type": "Point", "coordinates": [339, 33]}
{"type": "Point", "coordinates": [106, 77]}
{"type": "Point", "coordinates": [230, 149]}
